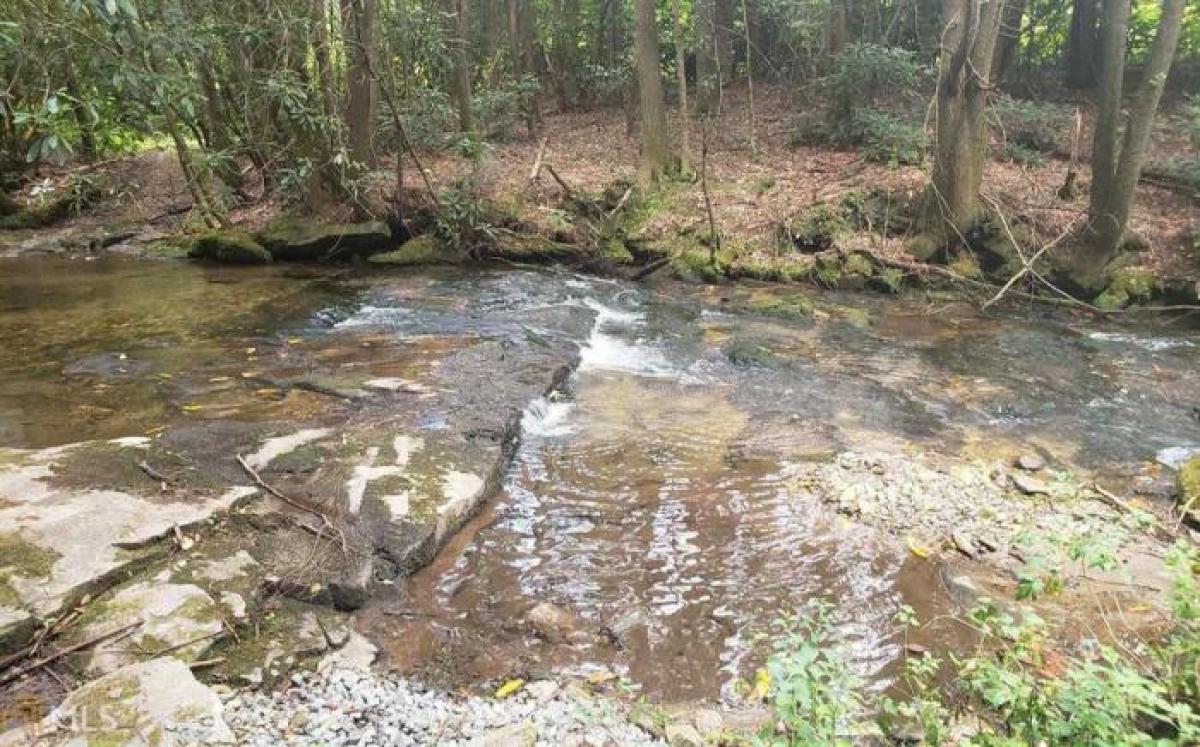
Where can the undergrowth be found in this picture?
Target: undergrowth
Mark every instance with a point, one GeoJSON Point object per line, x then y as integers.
{"type": "Point", "coordinates": [1019, 686]}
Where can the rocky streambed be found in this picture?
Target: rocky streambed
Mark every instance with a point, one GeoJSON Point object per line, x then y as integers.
{"type": "Point", "coordinates": [533, 497]}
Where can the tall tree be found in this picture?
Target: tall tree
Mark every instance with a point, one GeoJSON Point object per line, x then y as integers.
{"type": "Point", "coordinates": [971, 28]}
{"type": "Point", "coordinates": [681, 77]}
{"type": "Point", "coordinates": [657, 158]}
{"type": "Point", "coordinates": [460, 73]}
{"type": "Point", "coordinates": [1117, 157]}
{"type": "Point", "coordinates": [1081, 56]}
{"type": "Point", "coordinates": [360, 85]}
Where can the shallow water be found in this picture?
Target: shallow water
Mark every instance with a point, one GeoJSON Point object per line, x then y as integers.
{"type": "Point", "coordinates": [652, 498]}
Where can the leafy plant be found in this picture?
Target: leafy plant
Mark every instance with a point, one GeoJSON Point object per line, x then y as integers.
{"type": "Point", "coordinates": [811, 687]}
{"type": "Point", "coordinates": [1032, 125]}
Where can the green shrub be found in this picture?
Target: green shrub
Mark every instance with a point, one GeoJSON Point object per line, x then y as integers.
{"type": "Point", "coordinates": [811, 687]}
{"type": "Point", "coordinates": [862, 72]}
{"type": "Point", "coordinates": [1033, 125]}
{"type": "Point", "coordinates": [887, 138]}
{"type": "Point", "coordinates": [1191, 114]}
{"type": "Point", "coordinates": [428, 119]}
{"type": "Point", "coordinates": [1023, 156]}
{"type": "Point", "coordinates": [499, 110]}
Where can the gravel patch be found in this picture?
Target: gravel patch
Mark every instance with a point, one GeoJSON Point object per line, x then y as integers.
{"type": "Point", "coordinates": [351, 707]}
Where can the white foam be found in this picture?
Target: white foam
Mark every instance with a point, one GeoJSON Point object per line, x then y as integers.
{"type": "Point", "coordinates": [1153, 344]}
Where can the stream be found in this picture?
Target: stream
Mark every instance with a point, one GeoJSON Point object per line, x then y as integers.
{"type": "Point", "coordinates": [652, 499]}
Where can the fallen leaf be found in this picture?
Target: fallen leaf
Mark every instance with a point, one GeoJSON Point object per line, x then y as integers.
{"type": "Point", "coordinates": [510, 687]}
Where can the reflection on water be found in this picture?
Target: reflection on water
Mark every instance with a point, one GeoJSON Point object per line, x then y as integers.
{"type": "Point", "coordinates": [653, 498]}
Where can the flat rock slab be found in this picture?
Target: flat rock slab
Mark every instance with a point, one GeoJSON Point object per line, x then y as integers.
{"type": "Point", "coordinates": [155, 702]}
{"type": "Point", "coordinates": [63, 529]}
{"type": "Point", "coordinates": [179, 620]}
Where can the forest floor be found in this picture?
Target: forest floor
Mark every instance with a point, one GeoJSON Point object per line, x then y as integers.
{"type": "Point", "coordinates": [759, 179]}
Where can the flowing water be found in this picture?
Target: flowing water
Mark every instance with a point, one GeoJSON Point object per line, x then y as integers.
{"type": "Point", "coordinates": [651, 499]}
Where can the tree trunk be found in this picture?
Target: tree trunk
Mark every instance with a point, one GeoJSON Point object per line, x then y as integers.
{"type": "Point", "coordinates": [681, 75]}
{"type": "Point", "coordinates": [837, 28]}
{"type": "Point", "coordinates": [359, 17]}
{"type": "Point", "coordinates": [460, 77]}
{"type": "Point", "coordinates": [1082, 56]}
{"type": "Point", "coordinates": [566, 51]}
{"type": "Point", "coordinates": [1116, 168]}
{"type": "Point", "coordinates": [656, 152]}
{"type": "Point", "coordinates": [952, 204]}
{"type": "Point", "coordinates": [714, 55]}
{"type": "Point", "coordinates": [1010, 38]}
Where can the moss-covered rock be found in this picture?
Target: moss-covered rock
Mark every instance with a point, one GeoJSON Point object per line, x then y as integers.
{"type": "Point", "coordinates": [300, 240]}
{"type": "Point", "coordinates": [965, 264]}
{"type": "Point", "coordinates": [1128, 284]}
{"type": "Point", "coordinates": [750, 353]}
{"type": "Point", "coordinates": [815, 228]}
{"type": "Point", "coordinates": [1189, 488]}
{"type": "Point", "coordinates": [230, 247]}
{"type": "Point", "coordinates": [422, 250]}
{"type": "Point", "coordinates": [923, 246]}
{"type": "Point", "coordinates": [696, 266]}
{"type": "Point", "coordinates": [794, 306]}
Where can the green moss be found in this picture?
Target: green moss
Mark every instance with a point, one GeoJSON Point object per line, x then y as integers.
{"type": "Point", "coordinates": [694, 265]}
{"type": "Point", "coordinates": [816, 228]}
{"type": "Point", "coordinates": [1136, 282]}
{"type": "Point", "coordinates": [422, 250]}
{"type": "Point", "coordinates": [1111, 300]}
{"type": "Point", "coordinates": [20, 557]}
{"type": "Point", "coordinates": [858, 263]}
{"type": "Point", "coordinates": [890, 279]}
{"type": "Point", "coordinates": [297, 239]}
{"type": "Point", "coordinates": [795, 306]}
{"type": "Point", "coordinates": [231, 247]}
{"type": "Point", "coordinates": [965, 264]}
{"type": "Point", "coordinates": [749, 353]}
{"type": "Point", "coordinates": [827, 271]}
{"type": "Point", "coordinates": [615, 250]}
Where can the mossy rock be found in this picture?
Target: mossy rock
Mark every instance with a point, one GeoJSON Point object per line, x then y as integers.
{"type": "Point", "coordinates": [532, 247]}
{"type": "Point", "coordinates": [1189, 487]}
{"type": "Point", "coordinates": [695, 266]}
{"type": "Point", "coordinates": [1128, 284]}
{"type": "Point", "coordinates": [815, 228]}
{"type": "Point", "coordinates": [229, 247]}
{"type": "Point", "coordinates": [750, 353]}
{"type": "Point", "coordinates": [795, 306]}
{"type": "Point", "coordinates": [422, 250]}
{"type": "Point", "coordinates": [301, 240]}
{"type": "Point", "coordinates": [924, 247]}
{"type": "Point", "coordinates": [828, 270]}
{"type": "Point", "coordinates": [34, 216]}
{"type": "Point", "coordinates": [965, 264]}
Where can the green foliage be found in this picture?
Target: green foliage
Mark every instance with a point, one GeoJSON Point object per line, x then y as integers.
{"type": "Point", "coordinates": [861, 75]}
{"type": "Point", "coordinates": [1032, 125]}
{"type": "Point", "coordinates": [811, 687]}
{"type": "Point", "coordinates": [464, 222]}
{"type": "Point", "coordinates": [1103, 700]}
{"type": "Point", "coordinates": [502, 108]}
{"type": "Point", "coordinates": [888, 138]}
{"type": "Point", "coordinates": [862, 72]}
{"type": "Point", "coordinates": [603, 85]}
{"type": "Point", "coordinates": [1191, 114]}
{"type": "Point", "coordinates": [1024, 156]}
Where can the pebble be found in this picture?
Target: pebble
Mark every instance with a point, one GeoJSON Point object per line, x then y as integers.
{"type": "Point", "coordinates": [1031, 462]}
{"type": "Point", "coordinates": [344, 706]}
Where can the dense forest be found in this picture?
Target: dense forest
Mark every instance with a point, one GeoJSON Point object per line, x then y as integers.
{"type": "Point", "coordinates": [304, 101]}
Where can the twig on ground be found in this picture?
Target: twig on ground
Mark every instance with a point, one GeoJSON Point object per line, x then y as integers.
{"type": "Point", "coordinates": [325, 520]}
{"type": "Point", "coordinates": [566, 190]}
{"type": "Point", "coordinates": [51, 658]}
{"type": "Point", "coordinates": [153, 473]}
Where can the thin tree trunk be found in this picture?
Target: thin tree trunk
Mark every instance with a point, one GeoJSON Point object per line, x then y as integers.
{"type": "Point", "coordinates": [656, 152]}
{"type": "Point", "coordinates": [837, 29]}
{"type": "Point", "coordinates": [359, 15]}
{"type": "Point", "coordinates": [1115, 171]}
{"type": "Point", "coordinates": [750, 76]}
{"type": "Point", "coordinates": [681, 75]}
{"type": "Point", "coordinates": [1084, 44]}
{"type": "Point", "coordinates": [1010, 37]}
{"type": "Point", "coordinates": [460, 82]}
{"type": "Point", "coordinates": [968, 44]}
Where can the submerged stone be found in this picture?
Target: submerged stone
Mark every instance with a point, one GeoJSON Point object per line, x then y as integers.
{"type": "Point", "coordinates": [300, 240]}
{"type": "Point", "coordinates": [230, 247]}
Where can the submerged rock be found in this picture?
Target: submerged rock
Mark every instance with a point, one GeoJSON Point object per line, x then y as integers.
{"type": "Point", "coordinates": [299, 240]}
{"type": "Point", "coordinates": [550, 622]}
{"type": "Point", "coordinates": [231, 247]}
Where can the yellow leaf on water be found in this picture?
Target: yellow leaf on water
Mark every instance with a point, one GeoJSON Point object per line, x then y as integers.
{"type": "Point", "coordinates": [510, 687]}
{"type": "Point", "coordinates": [918, 550]}
{"type": "Point", "coordinates": [192, 408]}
